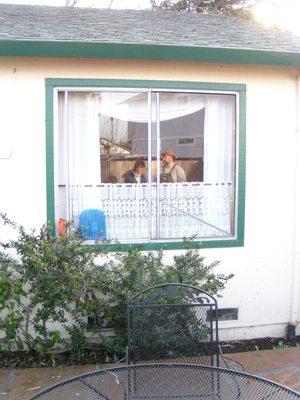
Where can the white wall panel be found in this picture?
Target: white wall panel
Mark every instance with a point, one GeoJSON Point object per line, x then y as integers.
{"type": "Point", "coordinates": [261, 287]}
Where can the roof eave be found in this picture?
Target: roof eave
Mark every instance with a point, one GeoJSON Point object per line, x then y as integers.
{"type": "Point", "coordinates": [35, 48]}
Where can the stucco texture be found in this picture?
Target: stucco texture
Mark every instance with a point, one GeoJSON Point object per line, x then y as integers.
{"type": "Point", "coordinates": [262, 286]}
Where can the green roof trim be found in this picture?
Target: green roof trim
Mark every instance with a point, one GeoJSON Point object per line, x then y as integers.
{"type": "Point", "coordinates": [29, 48]}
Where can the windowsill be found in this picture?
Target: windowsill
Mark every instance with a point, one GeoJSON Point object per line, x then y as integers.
{"type": "Point", "coordinates": [166, 244]}
{"type": "Point", "coordinates": [156, 241]}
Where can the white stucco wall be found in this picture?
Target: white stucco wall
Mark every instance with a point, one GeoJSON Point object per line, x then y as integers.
{"type": "Point", "coordinates": [267, 266]}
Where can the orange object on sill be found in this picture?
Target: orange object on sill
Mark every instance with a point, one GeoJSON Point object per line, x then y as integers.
{"type": "Point", "coordinates": [62, 227]}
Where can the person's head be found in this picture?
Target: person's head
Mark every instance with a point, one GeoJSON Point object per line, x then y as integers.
{"type": "Point", "coordinates": [168, 157]}
{"type": "Point", "coordinates": [139, 167]}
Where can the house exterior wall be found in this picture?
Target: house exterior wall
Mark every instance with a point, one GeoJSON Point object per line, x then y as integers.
{"type": "Point", "coordinates": [265, 286]}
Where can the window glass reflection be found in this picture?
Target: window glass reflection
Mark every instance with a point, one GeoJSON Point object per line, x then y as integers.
{"type": "Point", "coordinates": [155, 165]}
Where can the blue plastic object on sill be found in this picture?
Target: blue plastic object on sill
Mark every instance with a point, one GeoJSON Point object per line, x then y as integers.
{"type": "Point", "coordinates": [92, 224]}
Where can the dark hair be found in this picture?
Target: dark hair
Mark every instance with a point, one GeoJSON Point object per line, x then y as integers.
{"type": "Point", "coordinates": [139, 164]}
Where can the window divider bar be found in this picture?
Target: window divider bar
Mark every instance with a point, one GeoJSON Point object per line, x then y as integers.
{"type": "Point", "coordinates": [158, 144]}
{"type": "Point", "coordinates": [149, 165]}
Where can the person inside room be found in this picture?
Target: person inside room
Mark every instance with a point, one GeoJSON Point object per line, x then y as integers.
{"type": "Point", "coordinates": [137, 174]}
{"type": "Point", "coordinates": [171, 172]}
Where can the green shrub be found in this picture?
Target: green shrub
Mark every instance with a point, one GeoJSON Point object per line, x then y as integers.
{"type": "Point", "coordinates": [44, 288]}
{"type": "Point", "coordinates": [50, 285]}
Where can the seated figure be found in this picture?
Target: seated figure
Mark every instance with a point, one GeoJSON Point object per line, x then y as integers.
{"type": "Point", "coordinates": [137, 174]}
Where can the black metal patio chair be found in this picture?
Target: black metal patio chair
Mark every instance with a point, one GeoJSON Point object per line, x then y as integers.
{"type": "Point", "coordinates": [174, 323]}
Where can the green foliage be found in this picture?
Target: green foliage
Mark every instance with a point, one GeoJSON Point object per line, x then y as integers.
{"type": "Point", "coordinates": [169, 332]}
{"type": "Point", "coordinates": [281, 345]}
{"type": "Point", "coordinates": [42, 288]}
{"type": "Point", "coordinates": [240, 8]}
{"type": "Point", "coordinates": [53, 285]}
{"type": "Point", "coordinates": [132, 271]}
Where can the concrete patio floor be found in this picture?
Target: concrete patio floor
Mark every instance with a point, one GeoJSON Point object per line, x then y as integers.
{"type": "Point", "coordinates": [280, 365]}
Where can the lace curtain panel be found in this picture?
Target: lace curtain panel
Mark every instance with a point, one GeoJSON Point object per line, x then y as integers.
{"type": "Point", "coordinates": [183, 209]}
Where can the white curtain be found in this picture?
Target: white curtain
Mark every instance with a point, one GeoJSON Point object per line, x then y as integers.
{"type": "Point", "coordinates": [62, 164]}
{"type": "Point", "coordinates": [83, 134]}
{"type": "Point", "coordinates": [186, 209]}
{"type": "Point", "coordinates": [218, 138]}
{"type": "Point", "coordinates": [134, 107]}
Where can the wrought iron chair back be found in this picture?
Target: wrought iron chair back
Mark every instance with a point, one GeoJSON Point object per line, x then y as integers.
{"type": "Point", "coordinates": [173, 323]}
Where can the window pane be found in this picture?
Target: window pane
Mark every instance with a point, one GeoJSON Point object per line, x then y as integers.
{"type": "Point", "coordinates": [140, 166]}
{"type": "Point", "coordinates": [196, 194]}
{"type": "Point", "coordinates": [107, 163]}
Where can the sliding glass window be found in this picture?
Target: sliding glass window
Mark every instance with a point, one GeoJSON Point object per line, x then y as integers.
{"type": "Point", "coordinates": [146, 165]}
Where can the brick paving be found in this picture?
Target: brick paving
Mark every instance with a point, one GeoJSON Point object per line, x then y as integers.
{"type": "Point", "coordinates": [282, 366]}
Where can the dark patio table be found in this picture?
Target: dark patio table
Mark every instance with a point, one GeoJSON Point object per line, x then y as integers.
{"type": "Point", "coordinates": [166, 382]}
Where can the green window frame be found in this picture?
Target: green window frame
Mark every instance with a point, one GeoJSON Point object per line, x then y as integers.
{"type": "Point", "coordinates": [240, 89]}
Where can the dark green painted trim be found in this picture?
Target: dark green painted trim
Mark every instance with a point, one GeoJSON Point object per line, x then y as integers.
{"type": "Point", "coordinates": [144, 84]}
{"type": "Point", "coordinates": [50, 157]}
{"type": "Point", "coordinates": [242, 167]}
{"type": "Point", "coordinates": [52, 83]}
{"type": "Point", "coordinates": [33, 48]}
{"type": "Point", "coordinates": [170, 245]}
